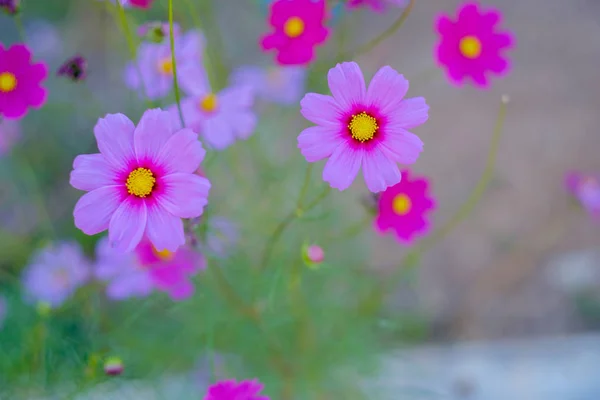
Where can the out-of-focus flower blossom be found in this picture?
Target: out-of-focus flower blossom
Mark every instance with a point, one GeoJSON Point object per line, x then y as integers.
{"type": "Point", "coordinates": [232, 390]}
{"type": "Point", "coordinates": [156, 31]}
{"type": "Point", "coordinates": [54, 273]}
{"type": "Point", "coordinates": [136, 274]}
{"type": "Point", "coordinates": [284, 85]}
{"type": "Point", "coordinates": [221, 237]}
{"type": "Point", "coordinates": [299, 27]}
{"type": "Point", "coordinates": [113, 366]}
{"type": "Point", "coordinates": [359, 127]}
{"type": "Point", "coordinates": [376, 5]}
{"type": "Point", "coordinates": [156, 67]}
{"type": "Point", "coordinates": [11, 7]}
{"type": "Point", "coordinates": [312, 255]}
{"type": "Point", "coordinates": [44, 40]}
{"type": "Point", "coordinates": [402, 208]}
{"type": "Point", "coordinates": [3, 310]}
{"type": "Point", "coordinates": [472, 46]}
{"type": "Point", "coordinates": [10, 131]}
{"type": "Point", "coordinates": [75, 69]}
{"type": "Point", "coordinates": [145, 4]}
{"type": "Point", "coordinates": [20, 82]}
{"type": "Point", "coordinates": [586, 188]}
{"type": "Point", "coordinates": [220, 118]}
{"type": "Point", "coordinates": [142, 182]}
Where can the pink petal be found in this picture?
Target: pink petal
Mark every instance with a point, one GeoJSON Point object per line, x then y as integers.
{"type": "Point", "coordinates": [128, 224]}
{"type": "Point", "coordinates": [164, 229]}
{"type": "Point", "coordinates": [387, 89]}
{"type": "Point", "coordinates": [91, 171]}
{"type": "Point", "coordinates": [318, 142]}
{"type": "Point", "coordinates": [320, 109]}
{"type": "Point", "coordinates": [411, 113]}
{"type": "Point", "coordinates": [402, 146]}
{"type": "Point", "coordinates": [379, 171]}
{"type": "Point", "coordinates": [342, 167]}
{"type": "Point", "coordinates": [95, 209]}
{"type": "Point", "coordinates": [347, 84]}
{"type": "Point", "coordinates": [443, 25]}
{"type": "Point", "coordinates": [38, 72]}
{"type": "Point", "coordinates": [153, 131]}
{"type": "Point", "coordinates": [182, 152]}
{"type": "Point", "coordinates": [185, 195]}
{"type": "Point", "coordinates": [182, 291]}
{"type": "Point", "coordinates": [114, 134]}
{"type": "Point", "coordinates": [237, 97]}
{"type": "Point", "coordinates": [37, 96]}
{"type": "Point", "coordinates": [218, 133]}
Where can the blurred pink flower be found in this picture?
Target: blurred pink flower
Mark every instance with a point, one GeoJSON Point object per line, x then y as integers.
{"type": "Point", "coordinates": [145, 4]}
{"type": "Point", "coordinates": [10, 131]}
{"type": "Point", "coordinates": [232, 390]}
{"type": "Point", "coordinates": [359, 127]}
{"type": "Point", "coordinates": [284, 85]}
{"type": "Point", "coordinates": [377, 5]}
{"type": "Point", "coordinates": [20, 82]}
{"type": "Point", "coordinates": [586, 188]}
{"type": "Point", "coordinates": [402, 208]}
{"type": "Point", "coordinates": [142, 182]}
{"type": "Point", "coordinates": [299, 27]}
{"type": "Point", "coordinates": [54, 273]}
{"type": "Point", "coordinates": [156, 68]}
{"type": "Point", "coordinates": [472, 46]}
{"type": "Point", "coordinates": [137, 273]}
{"type": "Point", "coordinates": [312, 255]}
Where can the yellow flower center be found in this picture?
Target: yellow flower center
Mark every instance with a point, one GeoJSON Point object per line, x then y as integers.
{"type": "Point", "coordinates": [363, 127]}
{"type": "Point", "coordinates": [163, 254]}
{"type": "Point", "coordinates": [209, 103]}
{"type": "Point", "coordinates": [8, 82]}
{"type": "Point", "coordinates": [401, 204]}
{"type": "Point", "coordinates": [140, 182]}
{"type": "Point", "coordinates": [293, 27]}
{"type": "Point", "coordinates": [165, 66]}
{"type": "Point", "coordinates": [470, 47]}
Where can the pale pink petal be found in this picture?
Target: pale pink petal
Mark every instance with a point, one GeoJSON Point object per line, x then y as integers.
{"type": "Point", "coordinates": [153, 131]}
{"type": "Point", "coordinates": [342, 167]}
{"type": "Point", "coordinates": [379, 171]}
{"type": "Point", "coordinates": [347, 84]}
{"type": "Point", "coordinates": [185, 195]}
{"type": "Point", "coordinates": [94, 210]}
{"type": "Point", "coordinates": [128, 224]}
{"type": "Point", "coordinates": [320, 109]}
{"type": "Point", "coordinates": [182, 152]}
{"type": "Point", "coordinates": [114, 134]}
{"type": "Point", "coordinates": [164, 229]}
{"type": "Point", "coordinates": [411, 113]}
{"type": "Point", "coordinates": [237, 97]}
{"type": "Point", "coordinates": [402, 146]}
{"type": "Point", "coordinates": [129, 285]}
{"type": "Point", "coordinates": [91, 171]}
{"type": "Point", "coordinates": [386, 90]}
{"type": "Point", "coordinates": [218, 133]}
{"type": "Point", "coordinates": [318, 142]}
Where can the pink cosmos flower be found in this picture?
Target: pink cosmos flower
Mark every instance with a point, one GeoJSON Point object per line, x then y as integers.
{"type": "Point", "coordinates": [376, 5]}
{"type": "Point", "coordinates": [472, 46]}
{"type": "Point", "coordinates": [54, 273]}
{"type": "Point", "coordinates": [586, 188]}
{"type": "Point", "coordinates": [10, 131]}
{"type": "Point", "coordinates": [362, 127]}
{"type": "Point", "coordinates": [20, 82]}
{"type": "Point", "coordinates": [298, 28]}
{"type": "Point", "coordinates": [142, 182]}
{"type": "Point", "coordinates": [145, 4]}
{"type": "Point", "coordinates": [232, 390]}
{"type": "Point", "coordinates": [156, 68]}
{"type": "Point", "coordinates": [136, 274]}
{"type": "Point", "coordinates": [284, 85]}
{"type": "Point", "coordinates": [402, 208]}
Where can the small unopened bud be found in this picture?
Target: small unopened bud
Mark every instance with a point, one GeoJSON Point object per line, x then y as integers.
{"type": "Point", "coordinates": [75, 69]}
{"type": "Point", "coordinates": [11, 7]}
{"type": "Point", "coordinates": [113, 366]}
{"type": "Point", "coordinates": [313, 255]}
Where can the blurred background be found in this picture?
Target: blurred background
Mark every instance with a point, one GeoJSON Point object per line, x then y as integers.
{"type": "Point", "coordinates": [519, 278]}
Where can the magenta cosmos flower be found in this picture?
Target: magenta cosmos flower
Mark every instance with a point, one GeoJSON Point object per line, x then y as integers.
{"type": "Point", "coordinates": [10, 131]}
{"type": "Point", "coordinates": [298, 28]}
{"type": "Point", "coordinates": [586, 188]}
{"type": "Point", "coordinates": [155, 65]}
{"type": "Point", "coordinates": [20, 82]}
{"type": "Point", "coordinates": [137, 273]}
{"type": "Point", "coordinates": [232, 390]}
{"type": "Point", "coordinates": [359, 127]}
{"type": "Point", "coordinates": [284, 85]}
{"type": "Point", "coordinates": [143, 181]}
{"type": "Point", "coordinates": [54, 273]}
{"type": "Point", "coordinates": [402, 208]}
{"type": "Point", "coordinates": [376, 5]}
{"type": "Point", "coordinates": [472, 46]}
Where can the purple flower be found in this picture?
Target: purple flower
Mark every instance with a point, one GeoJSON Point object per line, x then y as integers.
{"type": "Point", "coordinates": [10, 130]}
{"type": "Point", "coordinates": [284, 85]}
{"type": "Point", "coordinates": [54, 273]}
{"type": "Point", "coordinates": [232, 390]}
{"type": "Point", "coordinates": [3, 310]}
{"type": "Point", "coordinates": [156, 67]}
{"type": "Point", "coordinates": [10, 7]}
{"type": "Point", "coordinates": [74, 68]}
{"type": "Point", "coordinates": [586, 188]}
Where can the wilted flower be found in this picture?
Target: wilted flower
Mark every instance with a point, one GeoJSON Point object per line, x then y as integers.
{"type": "Point", "coordinates": [74, 68]}
{"type": "Point", "coordinates": [113, 366]}
{"type": "Point", "coordinates": [10, 131]}
{"type": "Point", "coordinates": [142, 182]}
{"type": "Point", "coordinates": [283, 85]}
{"type": "Point", "coordinates": [359, 127]}
{"type": "Point", "coordinates": [586, 188]}
{"type": "Point", "coordinates": [232, 390]}
{"type": "Point", "coordinates": [157, 31]}
{"type": "Point", "coordinates": [11, 7]}
{"type": "Point", "coordinates": [54, 273]}
{"type": "Point", "coordinates": [377, 5]}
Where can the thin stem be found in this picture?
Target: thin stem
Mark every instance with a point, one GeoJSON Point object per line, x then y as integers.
{"type": "Point", "coordinates": [173, 61]}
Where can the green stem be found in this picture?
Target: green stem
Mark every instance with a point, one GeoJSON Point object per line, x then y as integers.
{"type": "Point", "coordinates": [173, 61]}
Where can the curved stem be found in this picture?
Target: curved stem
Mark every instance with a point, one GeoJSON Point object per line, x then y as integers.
{"type": "Point", "coordinates": [173, 61]}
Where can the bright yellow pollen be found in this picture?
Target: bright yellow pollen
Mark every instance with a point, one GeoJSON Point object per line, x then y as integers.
{"type": "Point", "coordinates": [8, 82]}
{"type": "Point", "coordinates": [293, 27]}
{"type": "Point", "coordinates": [363, 127]}
{"type": "Point", "coordinates": [140, 182]}
{"type": "Point", "coordinates": [165, 66]}
{"type": "Point", "coordinates": [209, 102]}
{"type": "Point", "coordinates": [401, 204]}
{"type": "Point", "coordinates": [163, 254]}
{"type": "Point", "coordinates": [470, 47]}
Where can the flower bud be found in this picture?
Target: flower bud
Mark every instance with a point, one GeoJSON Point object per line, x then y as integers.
{"type": "Point", "coordinates": [313, 255]}
{"type": "Point", "coordinates": [113, 366]}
